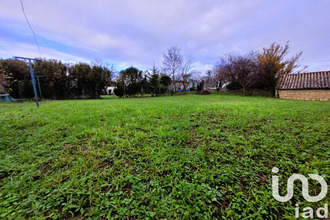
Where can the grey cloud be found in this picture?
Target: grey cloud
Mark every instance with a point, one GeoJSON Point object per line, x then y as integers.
{"type": "Point", "coordinates": [139, 32]}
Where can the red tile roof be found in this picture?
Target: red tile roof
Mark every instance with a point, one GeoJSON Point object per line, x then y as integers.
{"type": "Point", "coordinates": [315, 80]}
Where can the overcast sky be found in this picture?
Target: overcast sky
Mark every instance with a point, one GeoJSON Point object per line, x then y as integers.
{"type": "Point", "coordinates": [138, 32]}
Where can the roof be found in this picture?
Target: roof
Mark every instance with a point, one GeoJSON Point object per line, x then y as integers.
{"type": "Point", "coordinates": [314, 80]}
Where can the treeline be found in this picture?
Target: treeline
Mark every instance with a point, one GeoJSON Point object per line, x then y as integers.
{"type": "Point", "coordinates": [234, 72]}
{"type": "Point", "coordinates": [256, 70]}
{"type": "Point", "coordinates": [133, 81]}
{"type": "Point", "coordinates": [59, 81]}
{"type": "Point", "coordinates": [56, 80]}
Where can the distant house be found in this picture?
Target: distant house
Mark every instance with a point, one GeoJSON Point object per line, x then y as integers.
{"type": "Point", "coordinates": [305, 86]}
{"type": "Point", "coordinates": [110, 90]}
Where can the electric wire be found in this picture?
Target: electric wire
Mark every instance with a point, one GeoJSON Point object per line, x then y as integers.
{"type": "Point", "coordinates": [6, 50]}
{"type": "Point", "coordinates": [27, 20]}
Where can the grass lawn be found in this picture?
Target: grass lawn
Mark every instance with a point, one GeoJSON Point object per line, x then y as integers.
{"type": "Point", "coordinates": [170, 157]}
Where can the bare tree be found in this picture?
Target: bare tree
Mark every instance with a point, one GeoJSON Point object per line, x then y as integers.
{"type": "Point", "coordinates": [217, 78]}
{"type": "Point", "coordinates": [187, 72]}
{"type": "Point", "coordinates": [194, 79]}
{"type": "Point", "coordinates": [257, 70]}
{"type": "Point", "coordinates": [238, 71]}
{"type": "Point", "coordinates": [209, 81]}
{"type": "Point", "coordinates": [172, 62]}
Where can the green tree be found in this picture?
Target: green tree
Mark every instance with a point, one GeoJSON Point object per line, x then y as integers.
{"type": "Point", "coordinates": [165, 82]}
{"type": "Point", "coordinates": [129, 82]}
{"type": "Point", "coordinates": [88, 81]}
{"type": "Point", "coordinates": [80, 74]}
{"type": "Point", "coordinates": [53, 81]}
{"type": "Point", "coordinates": [4, 81]}
{"type": "Point", "coordinates": [119, 90]}
{"type": "Point", "coordinates": [145, 87]}
{"type": "Point", "coordinates": [154, 83]}
{"type": "Point", "coordinates": [102, 78]}
{"type": "Point", "coordinates": [18, 80]}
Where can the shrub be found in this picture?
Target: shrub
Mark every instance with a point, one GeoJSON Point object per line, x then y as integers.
{"type": "Point", "coordinates": [119, 90]}
{"type": "Point", "coordinates": [203, 92]}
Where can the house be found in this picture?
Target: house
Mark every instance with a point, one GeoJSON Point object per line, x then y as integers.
{"type": "Point", "coordinates": [110, 90]}
{"type": "Point", "coordinates": [305, 86]}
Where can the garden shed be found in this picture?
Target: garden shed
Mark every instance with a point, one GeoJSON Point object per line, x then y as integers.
{"type": "Point", "coordinates": [305, 86]}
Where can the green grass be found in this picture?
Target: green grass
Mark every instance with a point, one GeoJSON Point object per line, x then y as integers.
{"type": "Point", "coordinates": [187, 157]}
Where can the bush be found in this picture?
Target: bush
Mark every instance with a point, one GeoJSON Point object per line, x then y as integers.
{"type": "Point", "coordinates": [84, 80]}
{"type": "Point", "coordinates": [254, 92]}
{"type": "Point", "coordinates": [119, 90]}
{"type": "Point", "coordinates": [133, 88]}
{"type": "Point", "coordinates": [203, 92]}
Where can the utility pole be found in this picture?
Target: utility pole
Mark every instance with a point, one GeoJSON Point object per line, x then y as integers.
{"type": "Point", "coordinates": [32, 76]}
{"type": "Point", "coordinates": [39, 87]}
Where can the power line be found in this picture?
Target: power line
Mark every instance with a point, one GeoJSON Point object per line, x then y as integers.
{"type": "Point", "coordinates": [6, 50]}
{"type": "Point", "coordinates": [27, 20]}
